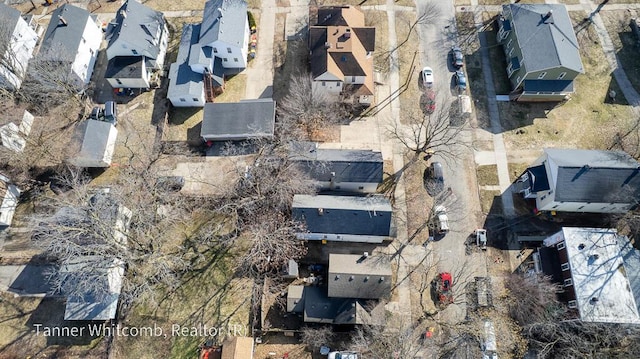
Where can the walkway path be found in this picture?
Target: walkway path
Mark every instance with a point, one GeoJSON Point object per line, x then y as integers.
{"type": "Point", "coordinates": [260, 73]}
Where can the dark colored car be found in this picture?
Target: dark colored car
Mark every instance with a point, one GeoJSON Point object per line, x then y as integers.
{"type": "Point", "coordinates": [457, 59]}
{"type": "Point", "coordinates": [434, 181]}
{"type": "Point", "coordinates": [110, 112]}
{"type": "Point", "coordinates": [461, 81]}
{"type": "Point", "coordinates": [97, 114]}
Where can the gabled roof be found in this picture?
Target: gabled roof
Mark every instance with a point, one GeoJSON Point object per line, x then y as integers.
{"type": "Point", "coordinates": [339, 45]}
{"type": "Point", "coordinates": [91, 306]}
{"type": "Point", "coordinates": [65, 32]}
{"type": "Point", "coordinates": [319, 308]}
{"type": "Point", "coordinates": [125, 67]}
{"type": "Point", "coordinates": [546, 42]}
{"type": "Point", "coordinates": [369, 215]}
{"type": "Point", "coordinates": [341, 165]}
{"type": "Point", "coordinates": [225, 21]}
{"type": "Point", "coordinates": [600, 282]}
{"type": "Point", "coordinates": [238, 120]}
{"type": "Point", "coordinates": [594, 176]}
{"type": "Point", "coordinates": [9, 19]}
{"type": "Point", "coordinates": [139, 26]}
{"type": "Point", "coordinates": [183, 82]}
{"type": "Point", "coordinates": [357, 276]}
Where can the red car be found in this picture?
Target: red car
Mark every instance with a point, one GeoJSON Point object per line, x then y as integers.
{"type": "Point", "coordinates": [444, 284]}
{"type": "Point", "coordinates": [430, 104]}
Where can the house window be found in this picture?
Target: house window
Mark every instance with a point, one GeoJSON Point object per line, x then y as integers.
{"type": "Point", "coordinates": [573, 304]}
{"type": "Point", "coordinates": [556, 206]}
{"type": "Point", "coordinates": [195, 99]}
{"type": "Point", "coordinates": [225, 59]}
{"type": "Point", "coordinates": [134, 52]}
{"type": "Point", "coordinates": [543, 197]}
{"type": "Point", "coordinates": [215, 50]}
{"type": "Point", "coordinates": [568, 282]}
{"type": "Point", "coordinates": [361, 187]}
{"type": "Point", "coordinates": [84, 41]}
{"type": "Point", "coordinates": [119, 82]}
{"type": "Point", "coordinates": [562, 75]}
{"type": "Point", "coordinates": [91, 51]}
{"type": "Point", "coordinates": [509, 43]}
{"type": "Point", "coordinates": [564, 267]}
{"type": "Point", "coordinates": [353, 79]}
{"type": "Point", "coordinates": [229, 50]}
{"type": "Point", "coordinates": [542, 75]}
{"type": "Point", "coordinates": [183, 100]}
{"type": "Point", "coordinates": [324, 83]}
{"type": "Point", "coordinates": [561, 246]}
{"type": "Point", "coordinates": [581, 207]}
{"type": "Point", "coordinates": [235, 59]}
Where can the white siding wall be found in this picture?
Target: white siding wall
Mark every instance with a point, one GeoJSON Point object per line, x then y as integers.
{"type": "Point", "coordinates": [87, 53]}
{"type": "Point", "coordinates": [355, 79]}
{"type": "Point", "coordinates": [583, 207]}
{"type": "Point", "coordinates": [22, 42]}
{"type": "Point", "coordinates": [189, 101]}
{"type": "Point", "coordinates": [164, 40]}
{"type": "Point", "coordinates": [330, 88]}
{"type": "Point", "coordinates": [8, 203]}
{"type": "Point", "coordinates": [229, 54]}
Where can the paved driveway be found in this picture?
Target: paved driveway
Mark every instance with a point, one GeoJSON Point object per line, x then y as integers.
{"type": "Point", "coordinates": [25, 280]}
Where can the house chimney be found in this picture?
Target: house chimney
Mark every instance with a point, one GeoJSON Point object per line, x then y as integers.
{"type": "Point", "coordinates": [220, 13]}
{"type": "Point", "coordinates": [347, 34]}
{"type": "Point", "coordinates": [320, 211]}
{"type": "Point", "coordinates": [366, 254]}
{"type": "Point", "coordinates": [327, 45]}
{"type": "Point", "coordinates": [548, 18]}
{"type": "Point", "coordinates": [62, 21]}
{"type": "Point", "coordinates": [123, 14]}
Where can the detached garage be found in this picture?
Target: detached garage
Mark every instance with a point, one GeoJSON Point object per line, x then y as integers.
{"type": "Point", "coordinates": [239, 120]}
{"type": "Point", "coordinates": [98, 145]}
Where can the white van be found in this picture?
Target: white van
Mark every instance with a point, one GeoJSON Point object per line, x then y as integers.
{"type": "Point", "coordinates": [442, 220]}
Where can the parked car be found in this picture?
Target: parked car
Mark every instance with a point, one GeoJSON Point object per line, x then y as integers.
{"type": "Point", "coordinates": [461, 81]}
{"type": "Point", "coordinates": [110, 112]}
{"type": "Point", "coordinates": [444, 289]}
{"type": "Point", "coordinates": [442, 220]}
{"type": "Point", "coordinates": [97, 114]}
{"type": "Point", "coordinates": [343, 355]}
{"type": "Point", "coordinates": [457, 59]}
{"type": "Point", "coordinates": [481, 238]}
{"type": "Point", "coordinates": [430, 104]}
{"type": "Point", "coordinates": [434, 181]}
{"type": "Point", "coordinates": [427, 77]}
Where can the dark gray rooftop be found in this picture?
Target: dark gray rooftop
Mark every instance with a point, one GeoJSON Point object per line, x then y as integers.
{"type": "Point", "coordinates": [239, 120]}
{"type": "Point", "coordinates": [64, 37]}
{"type": "Point", "coordinates": [225, 21]}
{"type": "Point", "coordinates": [182, 81]}
{"type": "Point", "coordinates": [341, 165]}
{"type": "Point", "coordinates": [139, 26]}
{"type": "Point", "coordinates": [319, 308]}
{"type": "Point", "coordinates": [548, 43]}
{"type": "Point", "coordinates": [354, 276]}
{"type": "Point", "coordinates": [124, 67]}
{"type": "Point", "coordinates": [595, 176]}
{"type": "Point", "coordinates": [369, 215]}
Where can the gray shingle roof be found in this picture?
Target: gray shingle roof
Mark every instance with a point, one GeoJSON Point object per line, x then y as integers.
{"type": "Point", "coordinates": [545, 44]}
{"type": "Point", "coordinates": [354, 276]}
{"type": "Point", "coordinates": [342, 165]}
{"type": "Point", "coordinates": [141, 27]}
{"type": "Point", "coordinates": [60, 38]}
{"type": "Point", "coordinates": [239, 120]}
{"type": "Point", "coordinates": [318, 308]}
{"type": "Point", "coordinates": [369, 215]}
{"type": "Point", "coordinates": [123, 67]}
{"type": "Point", "coordinates": [8, 18]}
{"type": "Point", "coordinates": [595, 176]}
{"type": "Point", "coordinates": [224, 20]}
{"type": "Point", "coordinates": [182, 81]}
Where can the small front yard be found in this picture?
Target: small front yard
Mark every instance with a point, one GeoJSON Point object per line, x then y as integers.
{"type": "Point", "coordinates": [624, 41]}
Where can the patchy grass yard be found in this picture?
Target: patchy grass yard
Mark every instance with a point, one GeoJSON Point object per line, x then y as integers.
{"type": "Point", "coordinates": [418, 202]}
{"type": "Point", "coordinates": [588, 120]}
{"type": "Point", "coordinates": [490, 202]}
{"type": "Point", "coordinates": [408, 62]}
{"type": "Point", "coordinates": [498, 60]}
{"type": "Point", "coordinates": [487, 175]}
{"type": "Point", "coordinates": [516, 169]}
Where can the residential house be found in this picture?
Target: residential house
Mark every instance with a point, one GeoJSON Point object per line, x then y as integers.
{"type": "Point", "coordinates": [238, 120]}
{"type": "Point", "coordinates": [596, 277]}
{"type": "Point", "coordinates": [341, 48]}
{"type": "Point", "coordinates": [138, 39]}
{"type": "Point", "coordinates": [352, 279]}
{"type": "Point", "coordinates": [543, 57]}
{"type": "Point", "coordinates": [237, 348]}
{"type": "Point", "coordinates": [14, 136]}
{"type": "Point", "coordinates": [343, 218]}
{"type": "Point", "coordinates": [18, 39]}
{"type": "Point", "coordinates": [571, 180]}
{"type": "Point", "coordinates": [208, 52]}
{"type": "Point", "coordinates": [97, 145]}
{"type": "Point", "coordinates": [91, 306]}
{"type": "Point", "coordinates": [340, 170]}
{"type": "Point", "coordinates": [72, 40]}
{"type": "Point", "coordinates": [9, 195]}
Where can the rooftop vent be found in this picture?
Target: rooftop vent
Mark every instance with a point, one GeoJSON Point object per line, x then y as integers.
{"type": "Point", "coordinates": [548, 17]}
{"type": "Point", "coordinates": [320, 211]}
{"type": "Point", "coordinates": [594, 300]}
{"type": "Point", "coordinates": [123, 14]}
{"type": "Point", "coordinates": [327, 45]}
{"type": "Point", "coordinates": [220, 13]}
{"type": "Point", "coordinates": [581, 246]}
{"type": "Point", "coordinates": [347, 34]}
{"type": "Point", "coordinates": [337, 276]}
{"type": "Point", "coordinates": [61, 21]}
{"type": "Point", "coordinates": [351, 278]}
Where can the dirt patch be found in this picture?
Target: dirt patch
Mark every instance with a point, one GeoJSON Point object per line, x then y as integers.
{"type": "Point", "coordinates": [487, 175]}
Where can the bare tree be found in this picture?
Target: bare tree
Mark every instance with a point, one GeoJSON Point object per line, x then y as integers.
{"type": "Point", "coordinates": [307, 111]}
{"type": "Point", "coordinates": [425, 135]}
{"type": "Point", "coordinates": [315, 337]}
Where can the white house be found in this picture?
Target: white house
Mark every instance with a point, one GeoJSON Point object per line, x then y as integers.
{"type": "Point", "coordinates": [571, 180]}
{"type": "Point", "coordinates": [9, 195]}
{"type": "Point", "coordinates": [73, 36]}
{"type": "Point", "coordinates": [18, 38]}
{"type": "Point", "coordinates": [98, 144]}
{"type": "Point", "coordinates": [138, 39]}
{"type": "Point", "coordinates": [14, 136]}
{"type": "Point", "coordinates": [208, 51]}
{"type": "Point", "coordinates": [341, 48]}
